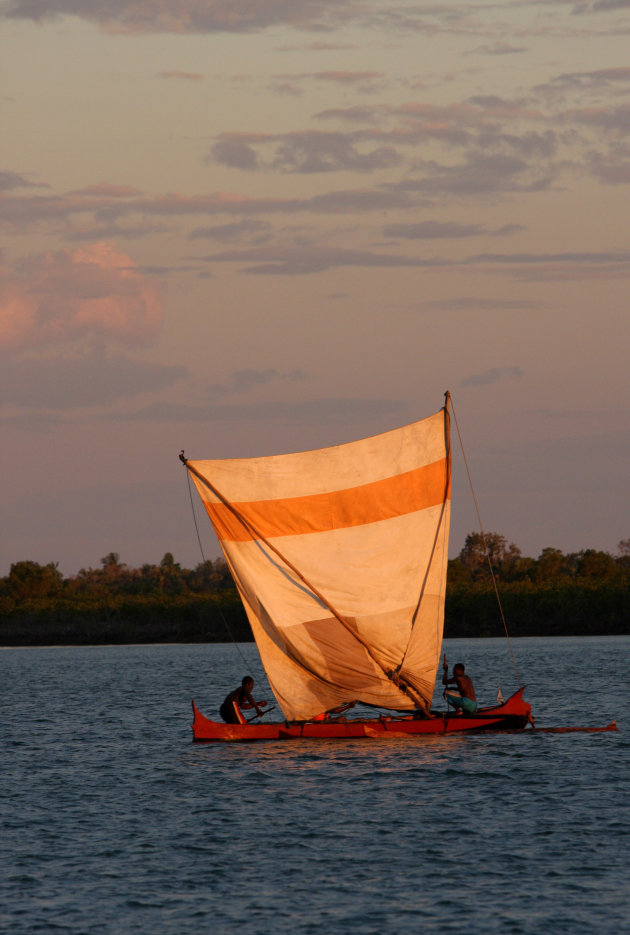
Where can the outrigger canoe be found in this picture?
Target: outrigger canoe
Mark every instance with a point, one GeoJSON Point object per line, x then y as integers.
{"type": "Point", "coordinates": [340, 558]}
{"type": "Point", "coordinates": [513, 714]}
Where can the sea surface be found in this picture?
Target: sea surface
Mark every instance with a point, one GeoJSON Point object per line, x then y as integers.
{"type": "Point", "coordinates": [112, 821]}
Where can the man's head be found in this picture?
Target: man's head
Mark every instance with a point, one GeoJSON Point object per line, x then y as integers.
{"type": "Point", "coordinates": [459, 668]}
{"type": "Point", "coordinates": [248, 683]}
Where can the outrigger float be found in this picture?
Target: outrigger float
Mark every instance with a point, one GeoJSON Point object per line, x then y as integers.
{"type": "Point", "coordinates": [340, 558]}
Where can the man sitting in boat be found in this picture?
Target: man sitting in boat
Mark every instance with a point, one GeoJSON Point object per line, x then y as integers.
{"type": "Point", "coordinates": [461, 698]}
{"type": "Point", "coordinates": [241, 697]}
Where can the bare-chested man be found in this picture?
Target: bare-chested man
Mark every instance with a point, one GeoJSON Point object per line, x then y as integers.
{"type": "Point", "coordinates": [241, 698]}
{"type": "Point", "coordinates": [463, 697]}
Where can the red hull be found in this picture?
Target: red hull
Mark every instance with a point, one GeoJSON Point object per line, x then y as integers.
{"type": "Point", "coordinates": [514, 714]}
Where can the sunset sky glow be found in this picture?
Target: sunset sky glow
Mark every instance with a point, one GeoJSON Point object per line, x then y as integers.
{"type": "Point", "coordinates": [242, 228]}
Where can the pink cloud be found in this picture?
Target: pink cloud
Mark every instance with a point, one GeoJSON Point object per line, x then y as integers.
{"type": "Point", "coordinates": [59, 297]}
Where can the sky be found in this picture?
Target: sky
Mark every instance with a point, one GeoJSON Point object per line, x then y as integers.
{"type": "Point", "coordinates": [245, 227]}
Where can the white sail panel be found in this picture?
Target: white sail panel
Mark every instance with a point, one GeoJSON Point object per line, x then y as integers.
{"type": "Point", "coordinates": [323, 470]}
{"type": "Point", "coordinates": [340, 558]}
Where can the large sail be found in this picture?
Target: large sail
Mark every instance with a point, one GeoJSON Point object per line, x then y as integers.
{"type": "Point", "coordinates": [339, 556]}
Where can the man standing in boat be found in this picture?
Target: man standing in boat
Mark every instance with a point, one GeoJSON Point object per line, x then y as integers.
{"type": "Point", "coordinates": [463, 696]}
{"type": "Point", "coordinates": [241, 697]}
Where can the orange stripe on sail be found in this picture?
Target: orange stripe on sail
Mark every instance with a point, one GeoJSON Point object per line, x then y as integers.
{"type": "Point", "coordinates": [356, 506]}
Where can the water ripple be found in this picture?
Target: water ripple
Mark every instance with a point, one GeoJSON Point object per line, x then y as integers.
{"type": "Point", "coordinates": [114, 823]}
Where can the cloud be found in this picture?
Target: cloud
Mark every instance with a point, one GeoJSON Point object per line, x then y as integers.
{"type": "Point", "coordinates": [357, 113]}
{"type": "Point", "coordinates": [305, 152]}
{"type": "Point", "coordinates": [295, 84]}
{"type": "Point", "coordinates": [236, 231]}
{"type": "Point", "coordinates": [317, 47]}
{"type": "Point", "coordinates": [490, 130]}
{"type": "Point", "coordinates": [79, 381]}
{"type": "Point", "coordinates": [286, 87]}
{"type": "Point", "coordinates": [301, 259]}
{"type": "Point", "coordinates": [242, 381]}
{"type": "Point", "coordinates": [191, 16]}
{"type": "Point", "coordinates": [419, 117]}
{"type": "Point", "coordinates": [113, 231]}
{"type": "Point", "coordinates": [557, 267]}
{"type": "Point", "coordinates": [612, 170]}
{"type": "Point", "coordinates": [612, 119]}
{"type": "Point", "coordinates": [430, 230]}
{"type": "Point", "coordinates": [501, 48]}
{"type": "Point", "coordinates": [494, 375]}
{"type": "Point", "coordinates": [313, 151]}
{"type": "Point", "coordinates": [581, 80]}
{"type": "Point", "coordinates": [482, 173]}
{"type": "Point", "coordinates": [23, 213]}
{"type": "Point", "coordinates": [246, 16]}
{"type": "Point", "coordinates": [95, 291]}
{"type": "Point", "coordinates": [334, 77]}
{"type": "Point", "coordinates": [527, 144]}
{"type": "Point", "coordinates": [475, 303]}
{"type": "Point", "coordinates": [236, 151]}
{"type": "Point", "coordinates": [348, 77]}
{"type": "Point", "coordinates": [604, 257]}
{"type": "Point", "coordinates": [501, 145]}
{"type": "Point", "coordinates": [604, 6]}
{"type": "Point", "coordinates": [358, 200]}
{"type": "Point", "coordinates": [107, 190]}
{"type": "Point", "coordinates": [598, 6]}
{"type": "Point", "coordinates": [307, 258]}
{"type": "Point", "coordinates": [11, 180]}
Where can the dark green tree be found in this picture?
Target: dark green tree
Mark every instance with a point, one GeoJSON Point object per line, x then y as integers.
{"type": "Point", "coordinates": [32, 580]}
{"type": "Point", "coordinates": [597, 565]}
{"type": "Point", "coordinates": [550, 564]}
{"type": "Point", "coordinates": [477, 552]}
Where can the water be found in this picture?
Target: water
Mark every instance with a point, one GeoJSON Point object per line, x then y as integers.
{"type": "Point", "coordinates": [113, 822]}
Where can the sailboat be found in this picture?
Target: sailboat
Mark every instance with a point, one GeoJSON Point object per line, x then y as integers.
{"type": "Point", "coordinates": [340, 559]}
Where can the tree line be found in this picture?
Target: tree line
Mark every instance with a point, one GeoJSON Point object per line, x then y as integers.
{"type": "Point", "coordinates": [488, 554]}
{"type": "Point", "coordinates": [586, 592]}
{"type": "Point", "coordinates": [576, 594]}
{"type": "Point", "coordinates": [118, 604]}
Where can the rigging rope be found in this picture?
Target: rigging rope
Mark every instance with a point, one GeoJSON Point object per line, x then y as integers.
{"type": "Point", "coordinates": [485, 546]}
{"type": "Point", "coordinates": [222, 615]}
{"type": "Point", "coordinates": [192, 506]}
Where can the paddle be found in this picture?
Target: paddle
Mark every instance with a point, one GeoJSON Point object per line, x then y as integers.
{"type": "Point", "coordinates": [250, 719]}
